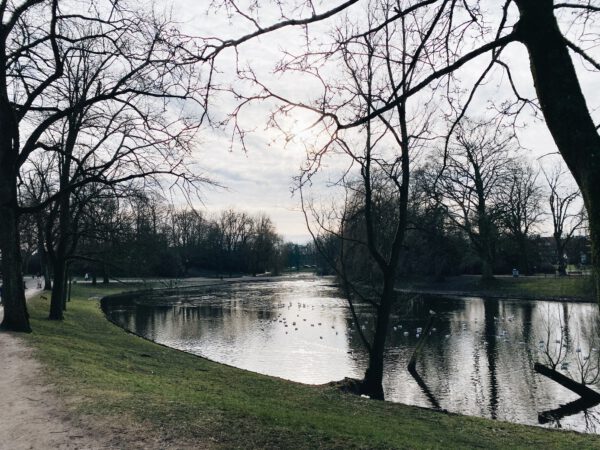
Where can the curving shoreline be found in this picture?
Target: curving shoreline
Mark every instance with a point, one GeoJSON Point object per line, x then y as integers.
{"type": "Point", "coordinates": [153, 397]}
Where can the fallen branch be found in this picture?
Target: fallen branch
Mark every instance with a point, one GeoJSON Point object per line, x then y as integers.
{"type": "Point", "coordinates": [581, 389]}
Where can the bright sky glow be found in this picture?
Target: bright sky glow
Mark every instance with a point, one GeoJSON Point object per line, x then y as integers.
{"type": "Point", "coordinates": [261, 178]}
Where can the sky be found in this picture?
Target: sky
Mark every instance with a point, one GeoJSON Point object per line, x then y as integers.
{"type": "Point", "coordinates": [260, 179]}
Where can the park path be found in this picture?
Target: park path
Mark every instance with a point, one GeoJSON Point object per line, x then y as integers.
{"type": "Point", "coordinates": [31, 415]}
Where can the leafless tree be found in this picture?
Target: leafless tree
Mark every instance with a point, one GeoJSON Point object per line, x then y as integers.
{"type": "Point", "coordinates": [521, 204]}
{"type": "Point", "coordinates": [234, 231]}
{"type": "Point", "coordinates": [559, 38]}
{"type": "Point", "coordinates": [370, 219]}
{"type": "Point", "coordinates": [103, 86]}
{"type": "Point", "coordinates": [567, 215]}
{"type": "Point", "coordinates": [472, 175]}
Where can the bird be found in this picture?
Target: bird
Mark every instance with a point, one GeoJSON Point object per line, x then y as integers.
{"type": "Point", "coordinates": [432, 312]}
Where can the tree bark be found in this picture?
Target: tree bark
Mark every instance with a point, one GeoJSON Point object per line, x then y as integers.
{"type": "Point", "coordinates": [105, 278]}
{"type": "Point", "coordinates": [522, 245]}
{"type": "Point", "coordinates": [564, 107]}
{"type": "Point", "coordinates": [372, 384]}
{"type": "Point", "coordinates": [560, 260]}
{"type": "Point", "coordinates": [58, 288]}
{"type": "Point", "coordinates": [59, 262]}
{"type": "Point", "coordinates": [44, 263]}
{"type": "Point", "coordinates": [486, 246]}
{"type": "Point", "coordinates": [16, 317]}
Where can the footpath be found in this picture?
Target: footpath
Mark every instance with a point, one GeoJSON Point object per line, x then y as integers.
{"type": "Point", "coordinates": [31, 415]}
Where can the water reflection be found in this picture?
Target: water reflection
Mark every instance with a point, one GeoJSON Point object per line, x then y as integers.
{"type": "Point", "coordinates": [478, 360]}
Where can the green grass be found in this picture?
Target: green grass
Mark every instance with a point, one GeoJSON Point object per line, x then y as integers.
{"type": "Point", "coordinates": [539, 287]}
{"type": "Point", "coordinates": [106, 373]}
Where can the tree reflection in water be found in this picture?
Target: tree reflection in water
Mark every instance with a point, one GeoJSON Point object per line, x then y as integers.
{"type": "Point", "coordinates": [478, 361]}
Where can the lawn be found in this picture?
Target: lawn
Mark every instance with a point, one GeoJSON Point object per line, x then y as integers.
{"type": "Point", "coordinates": [105, 373]}
{"type": "Point", "coordinates": [535, 287]}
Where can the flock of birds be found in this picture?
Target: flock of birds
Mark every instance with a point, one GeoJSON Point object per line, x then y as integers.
{"type": "Point", "coordinates": [293, 325]}
{"type": "Point", "coordinates": [280, 318]}
{"type": "Point", "coordinates": [296, 324]}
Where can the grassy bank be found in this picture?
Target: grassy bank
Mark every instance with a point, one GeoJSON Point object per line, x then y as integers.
{"type": "Point", "coordinates": [103, 372]}
{"type": "Point", "coordinates": [536, 287]}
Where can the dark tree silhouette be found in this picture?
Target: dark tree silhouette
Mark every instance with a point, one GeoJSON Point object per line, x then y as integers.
{"type": "Point", "coordinates": [93, 85]}
{"type": "Point", "coordinates": [472, 175]}
{"type": "Point", "coordinates": [567, 218]}
{"type": "Point", "coordinates": [552, 33]}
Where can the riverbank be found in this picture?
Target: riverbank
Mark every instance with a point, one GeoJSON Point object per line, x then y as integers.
{"type": "Point", "coordinates": [538, 287]}
{"type": "Point", "coordinates": [176, 400]}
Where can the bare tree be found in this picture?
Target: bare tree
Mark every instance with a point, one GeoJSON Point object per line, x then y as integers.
{"type": "Point", "coordinates": [555, 36]}
{"type": "Point", "coordinates": [263, 245]}
{"type": "Point", "coordinates": [370, 220]}
{"type": "Point", "coordinates": [34, 187]}
{"type": "Point", "coordinates": [567, 215]}
{"type": "Point", "coordinates": [235, 231]}
{"type": "Point", "coordinates": [472, 174]}
{"type": "Point", "coordinates": [521, 203]}
{"type": "Point", "coordinates": [111, 60]}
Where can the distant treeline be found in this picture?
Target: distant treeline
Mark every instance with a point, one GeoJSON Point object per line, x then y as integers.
{"type": "Point", "coordinates": [445, 236]}
{"type": "Point", "coordinates": [144, 237]}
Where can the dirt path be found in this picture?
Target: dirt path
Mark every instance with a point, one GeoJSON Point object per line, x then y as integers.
{"type": "Point", "coordinates": [31, 416]}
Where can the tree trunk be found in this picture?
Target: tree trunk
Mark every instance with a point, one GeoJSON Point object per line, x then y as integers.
{"type": "Point", "coordinates": [487, 270]}
{"type": "Point", "coordinates": [560, 260]}
{"type": "Point", "coordinates": [58, 288]}
{"type": "Point", "coordinates": [595, 237]}
{"type": "Point", "coordinates": [523, 247]}
{"type": "Point", "coordinates": [485, 244]}
{"type": "Point", "coordinates": [16, 317]}
{"type": "Point", "coordinates": [44, 263]}
{"type": "Point", "coordinates": [564, 107]}
{"type": "Point", "coordinates": [105, 279]}
{"type": "Point", "coordinates": [486, 254]}
{"type": "Point", "coordinates": [372, 384]}
{"type": "Point", "coordinates": [569, 383]}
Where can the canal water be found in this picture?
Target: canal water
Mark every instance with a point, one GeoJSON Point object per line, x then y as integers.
{"type": "Point", "coordinates": [478, 359]}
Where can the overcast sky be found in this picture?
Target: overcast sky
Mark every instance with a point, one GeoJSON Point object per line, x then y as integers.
{"type": "Point", "coordinates": [260, 179]}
